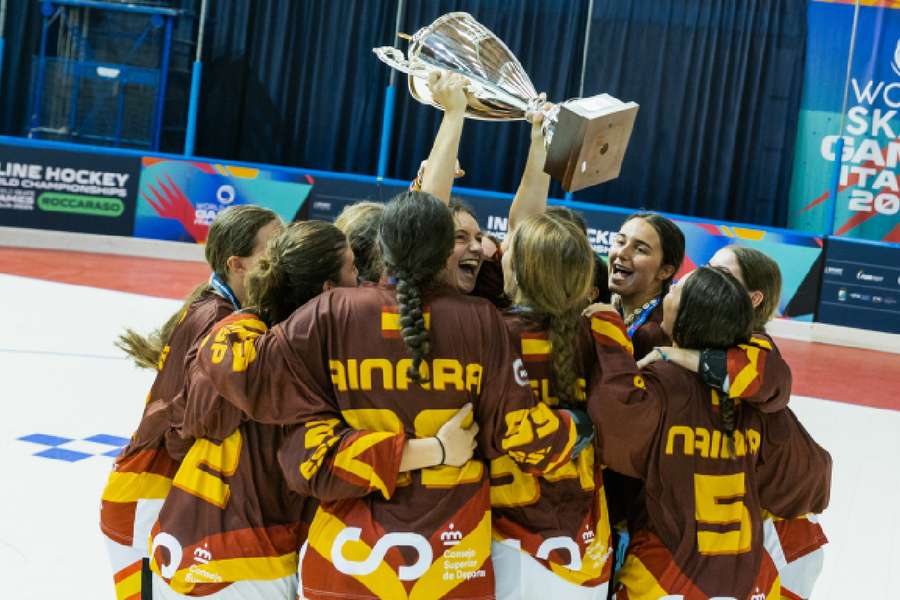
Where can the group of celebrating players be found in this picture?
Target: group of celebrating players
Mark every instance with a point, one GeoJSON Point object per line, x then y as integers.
{"type": "Point", "coordinates": [408, 409]}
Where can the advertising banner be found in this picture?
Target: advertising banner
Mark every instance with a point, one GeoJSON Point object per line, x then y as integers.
{"type": "Point", "coordinates": [67, 191]}
{"type": "Point", "coordinates": [179, 199]}
{"type": "Point", "coordinates": [861, 285]}
{"type": "Point", "coordinates": [797, 254]}
{"type": "Point", "coordinates": [868, 204]}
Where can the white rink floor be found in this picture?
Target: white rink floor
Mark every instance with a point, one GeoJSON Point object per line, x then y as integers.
{"type": "Point", "coordinates": [61, 376]}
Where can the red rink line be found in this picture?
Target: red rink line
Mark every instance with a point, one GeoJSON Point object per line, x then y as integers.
{"type": "Point", "coordinates": [851, 375]}
{"type": "Point", "coordinates": [854, 376]}
{"type": "Point", "coordinates": [147, 276]}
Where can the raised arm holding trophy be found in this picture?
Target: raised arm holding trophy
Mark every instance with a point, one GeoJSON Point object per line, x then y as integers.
{"type": "Point", "coordinates": [586, 138]}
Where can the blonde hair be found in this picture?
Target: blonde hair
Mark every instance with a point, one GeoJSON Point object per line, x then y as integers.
{"type": "Point", "coordinates": [554, 269]}
{"type": "Point", "coordinates": [360, 223]}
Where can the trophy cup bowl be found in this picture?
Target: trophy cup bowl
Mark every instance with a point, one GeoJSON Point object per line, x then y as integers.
{"type": "Point", "coordinates": [586, 138]}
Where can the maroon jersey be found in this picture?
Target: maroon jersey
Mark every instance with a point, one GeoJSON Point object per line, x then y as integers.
{"type": "Point", "coordinates": [338, 368]}
{"type": "Point", "coordinates": [626, 494]}
{"type": "Point", "coordinates": [489, 283]}
{"type": "Point", "coordinates": [144, 469]}
{"type": "Point", "coordinates": [764, 374]}
{"type": "Point", "coordinates": [704, 493]}
{"type": "Point", "coordinates": [650, 334]}
{"type": "Point", "coordinates": [230, 515]}
{"type": "Point", "coordinates": [560, 518]}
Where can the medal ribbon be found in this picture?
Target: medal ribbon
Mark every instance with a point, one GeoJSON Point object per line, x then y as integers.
{"type": "Point", "coordinates": [221, 288]}
{"type": "Point", "coordinates": [642, 317]}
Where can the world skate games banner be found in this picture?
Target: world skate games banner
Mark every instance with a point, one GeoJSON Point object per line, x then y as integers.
{"type": "Point", "coordinates": [178, 199]}
{"type": "Point", "coordinates": [868, 205]}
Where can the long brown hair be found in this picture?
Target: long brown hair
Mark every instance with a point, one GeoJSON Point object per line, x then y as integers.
{"type": "Point", "coordinates": [759, 272]}
{"type": "Point", "coordinates": [554, 269]}
{"type": "Point", "coordinates": [232, 233]}
{"type": "Point", "coordinates": [297, 263]}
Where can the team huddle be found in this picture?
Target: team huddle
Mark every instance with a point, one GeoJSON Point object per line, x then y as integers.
{"type": "Point", "coordinates": [396, 406]}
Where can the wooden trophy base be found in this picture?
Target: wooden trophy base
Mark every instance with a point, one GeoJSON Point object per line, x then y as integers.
{"type": "Point", "coordinates": [589, 141]}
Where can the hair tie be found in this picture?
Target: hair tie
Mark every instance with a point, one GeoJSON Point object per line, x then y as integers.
{"type": "Point", "coordinates": [443, 451]}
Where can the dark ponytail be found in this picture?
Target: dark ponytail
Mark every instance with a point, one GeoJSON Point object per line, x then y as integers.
{"type": "Point", "coordinates": [714, 312]}
{"type": "Point", "coordinates": [416, 239]}
{"type": "Point", "coordinates": [297, 263]}
{"type": "Point", "coordinates": [728, 420]}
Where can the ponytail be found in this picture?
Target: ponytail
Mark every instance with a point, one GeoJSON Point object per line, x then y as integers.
{"type": "Point", "coordinates": [146, 351]}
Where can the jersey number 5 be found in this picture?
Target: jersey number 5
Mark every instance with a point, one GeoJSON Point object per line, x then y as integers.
{"type": "Point", "coordinates": [717, 502]}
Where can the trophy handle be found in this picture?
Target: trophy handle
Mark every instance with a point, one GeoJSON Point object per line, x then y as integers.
{"type": "Point", "coordinates": [394, 58]}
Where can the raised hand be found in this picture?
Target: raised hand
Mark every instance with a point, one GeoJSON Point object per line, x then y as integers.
{"type": "Point", "coordinates": [536, 119]}
{"type": "Point", "coordinates": [449, 90]}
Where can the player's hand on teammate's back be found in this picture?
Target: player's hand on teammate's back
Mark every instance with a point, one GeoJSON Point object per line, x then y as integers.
{"type": "Point", "coordinates": [459, 443]}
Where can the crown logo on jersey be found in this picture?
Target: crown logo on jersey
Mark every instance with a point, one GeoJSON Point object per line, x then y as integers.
{"type": "Point", "coordinates": [452, 536]}
{"type": "Point", "coordinates": [202, 555]}
{"type": "Point", "coordinates": [390, 322]}
{"type": "Point", "coordinates": [588, 536]}
{"type": "Point", "coordinates": [758, 595]}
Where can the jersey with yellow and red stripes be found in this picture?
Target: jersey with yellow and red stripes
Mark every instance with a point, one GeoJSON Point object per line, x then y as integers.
{"type": "Point", "coordinates": [705, 490]}
{"type": "Point", "coordinates": [338, 368]}
{"type": "Point", "coordinates": [229, 515]}
{"type": "Point", "coordinates": [142, 473]}
{"type": "Point", "coordinates": [561, 518]}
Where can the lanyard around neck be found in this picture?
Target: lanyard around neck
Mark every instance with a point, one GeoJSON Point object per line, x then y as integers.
{"type": "Point", "coordinates": [642, 318]}
{"type": "Point", "coordinates": [221, 288]}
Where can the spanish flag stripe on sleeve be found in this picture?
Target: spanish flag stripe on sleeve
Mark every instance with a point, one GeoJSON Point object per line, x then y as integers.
{"type": "Point", "coordinates": [747, 376]}
{"type": "Point", "coordinates": [607, 331]}
{"type": "Point", "coordinates": [129, 587]}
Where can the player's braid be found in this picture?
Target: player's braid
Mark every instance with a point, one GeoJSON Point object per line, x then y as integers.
{"type": "Point", "coordinates": [562, 339]}
{"type": "Point", "coordinates": [412, 321]}
{"type": "Point", "coordinates": [415, 240]}
{"type": "Point", "coordinates": [146, 351]}
{"type": "Point", "coordinates": [727, 416]}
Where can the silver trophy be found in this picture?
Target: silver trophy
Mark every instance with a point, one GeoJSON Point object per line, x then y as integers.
{"type": "Point", "coordinates": [586, 138]}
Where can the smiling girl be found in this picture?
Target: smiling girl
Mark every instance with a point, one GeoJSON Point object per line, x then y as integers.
{"type": "Point", "coordinates": [644, 257]}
